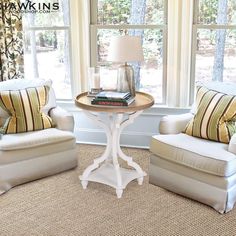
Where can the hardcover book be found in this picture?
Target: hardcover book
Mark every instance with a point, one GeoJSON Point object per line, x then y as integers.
{"type": "Point", "coordinates": [113, 95]}
{"type": "Point", "coordinates": [112, 102]}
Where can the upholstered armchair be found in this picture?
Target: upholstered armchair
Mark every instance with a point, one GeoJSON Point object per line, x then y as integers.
{"type": "Point", "coordinates": [27, 156]}
{"type": "Point", "coordinates": [194, 167]}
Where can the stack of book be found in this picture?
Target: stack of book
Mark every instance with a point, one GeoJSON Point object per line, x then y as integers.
{"type": "Point", "coordinates": [110, 98]}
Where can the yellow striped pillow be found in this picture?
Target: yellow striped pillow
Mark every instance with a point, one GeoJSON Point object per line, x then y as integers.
{"type": "Point", "coordinates": [24, 107]}
{"type": "Point", "coordinates": [215, 117]}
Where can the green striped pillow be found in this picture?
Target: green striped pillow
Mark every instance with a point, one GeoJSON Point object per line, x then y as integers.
{"type": "Point", "coordinates": [24, 107]}
{"type": "Point", "coordinates": [215, 117]}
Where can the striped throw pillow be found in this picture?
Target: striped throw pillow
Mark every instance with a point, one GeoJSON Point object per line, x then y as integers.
{"type": "Point", "coordinates": [215, 117]}
{"type": "Point", "coordinates": [24, 107]}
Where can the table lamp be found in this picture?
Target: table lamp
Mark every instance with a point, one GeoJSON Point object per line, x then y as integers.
{"type": "Point", "coordinates": [125, 49]}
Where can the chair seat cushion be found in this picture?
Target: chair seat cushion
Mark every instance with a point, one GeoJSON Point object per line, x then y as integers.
{"type": "Point", "coordinates": [34, 139]}
{"type": "Point", "coordinates": [222, 182]}
{"type": "Point", "coordinates": [202, 155]}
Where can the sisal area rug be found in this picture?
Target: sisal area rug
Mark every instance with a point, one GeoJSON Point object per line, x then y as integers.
{"type": "Point", "coordinates": [58, 205]}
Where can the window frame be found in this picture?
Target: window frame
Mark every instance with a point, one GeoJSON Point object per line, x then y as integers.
{"type": "Point", "coordinates": [94, 26]}
{"type": "Point", "coordinates": [67, 29]}
{"type": "Point", "coordinates": [195, 28]}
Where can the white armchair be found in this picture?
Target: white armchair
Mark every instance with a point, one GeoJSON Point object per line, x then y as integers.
{"type": "Point", "coordinates": [174, 124]}
{"type": "Point", "coordinates": [32, 155]}
{"type": "Point", "coordinates": [232, 144]}
{"type": "Point", "coordinates": [197, 168]}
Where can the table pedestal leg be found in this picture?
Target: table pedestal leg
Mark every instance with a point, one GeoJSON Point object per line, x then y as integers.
{"type": "Point", "coordinates": [126, 158]}
{"type": "Point", "coordinates": [110, 172]}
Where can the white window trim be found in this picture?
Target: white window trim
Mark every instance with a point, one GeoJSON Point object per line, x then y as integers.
{"type": "Point", "coordinates": [176, 88]}
{"type": "Point", "coordinates": [39, 28]}
{"type": "Point", "coordinates": [66, 28]}
{"type": "Point", "coordinates": [78, 31]}
{"type": "Point", "coordinates": [179, 84]}
{"type": "Point", "coordinates": [181, 48]}
{"type": "Point", "coordinates": [195, 27]}
{"type": "Point", "coordinates": [93, 39]}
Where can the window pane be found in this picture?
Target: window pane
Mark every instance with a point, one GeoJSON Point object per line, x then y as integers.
{"type": "Point", "coordinates": [208, 51]}
{"type": "Point", "coordinates": [46, 17]}
{"type": "Point", "coordinates": [209, 9]}
{"type": "Point", "coordinates": [149, 74]}
{"type": "Point", "coordinates": [46, 56]}
{"type": "Point", "coordinates": [130, 12]}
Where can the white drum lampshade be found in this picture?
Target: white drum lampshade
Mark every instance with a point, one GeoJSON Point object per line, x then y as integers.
{"type": "Point", "coordinates": [125, 49]}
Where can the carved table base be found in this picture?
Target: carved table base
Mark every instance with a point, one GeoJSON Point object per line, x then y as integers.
{"type": "Point", "coordinates": [106, 169]}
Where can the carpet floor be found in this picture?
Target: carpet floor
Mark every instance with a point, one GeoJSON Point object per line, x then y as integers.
{"type": "Point", "coordinates": [58, 205]}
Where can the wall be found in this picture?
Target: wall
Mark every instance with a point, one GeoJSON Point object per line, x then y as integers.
{"type": "Point", "coordinates": [137, 134]}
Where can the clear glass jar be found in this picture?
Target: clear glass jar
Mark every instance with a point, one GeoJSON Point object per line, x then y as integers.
{"type": "Point", "coordinates": [94, 79]}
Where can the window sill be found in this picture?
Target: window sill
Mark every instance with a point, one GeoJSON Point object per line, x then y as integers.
{"type": "Point", "coordinates": [153, 111]}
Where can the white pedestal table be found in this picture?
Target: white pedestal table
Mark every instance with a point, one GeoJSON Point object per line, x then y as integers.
{"type": "Point", "coordinates": [106, 169]}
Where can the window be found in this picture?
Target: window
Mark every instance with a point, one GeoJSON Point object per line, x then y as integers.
{"type": "Point", "coordinates": [214, 41]}
{"type": "Point", "coordinates": [47, 46]}
{"type": "Point", "coordinates": [145, 18]}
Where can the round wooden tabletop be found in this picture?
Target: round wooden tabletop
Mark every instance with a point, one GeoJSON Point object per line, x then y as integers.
{"type": "Point", "coordinates": [142, 101]}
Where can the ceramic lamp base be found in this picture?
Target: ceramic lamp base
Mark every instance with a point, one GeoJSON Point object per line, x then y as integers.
{"type": "Point", "coordinates": [125, 79]}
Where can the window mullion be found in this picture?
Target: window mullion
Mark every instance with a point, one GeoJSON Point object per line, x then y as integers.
{"type": "Point", "coordinates": [195, 12]}
{"type": "Point", "coordinates": [193, 64]}
{"type": "Point", "coordinates": [126, 26]}
{"type": "Point", "coordinates": [166, 12]}
{"type": "Point", "coordinates": [93, 11]}
{"type": "Point", "coordinates": [215, 26]}
{"type": "Point", "coordinates": [93, 32]}
{"type": "Point", "coordinates": [164, 75]}
{"type": "Point", "coordinates": [93, 45]}
{"type": "Point", "coordinates": [35, 28]}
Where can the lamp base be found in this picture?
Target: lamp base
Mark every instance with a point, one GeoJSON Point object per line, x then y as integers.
{"type": "Point", "coordinates": [125, 80]}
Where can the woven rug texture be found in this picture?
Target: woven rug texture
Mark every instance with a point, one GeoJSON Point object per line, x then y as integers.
{"type": "Point", "coordinates": [58, 206]}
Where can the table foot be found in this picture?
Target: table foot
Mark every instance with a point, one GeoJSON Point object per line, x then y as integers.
{"type": "Point", "coordinates": [84, 183]}
{"type": "Point", "coordinates": [119, 193]}
{"type": "Point", "coordinates": [140, 180]}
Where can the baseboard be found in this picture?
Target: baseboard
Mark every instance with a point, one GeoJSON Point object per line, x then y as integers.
{"type": "Point", "coordinates": [104, 144]}
{"type": "Point", "coordinates": [128, 138]}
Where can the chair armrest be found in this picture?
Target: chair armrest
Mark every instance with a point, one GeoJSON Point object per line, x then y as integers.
{"type": "Point", "coordinates": [232, 144]}
{"type": "Point", "coordinates": [174, 124]}
{"type": "Point", "coordinates": [62, 118]}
